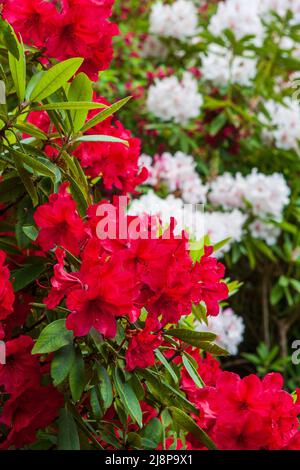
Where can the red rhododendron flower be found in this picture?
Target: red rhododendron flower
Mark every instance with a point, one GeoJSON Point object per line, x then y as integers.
{"type": "Point", "coordinates": [209, 273]}
{"type": "Point", "coordinates": [245, 413]}
{"type": "Point", "coordinates": [141, 347]}
{"type": "Point", "coordinates": [7, 296]}
{"type": "Point", "coordinates": [208, 369]}
{"type": "Point", "coordinates": [27, 411]}
{"type": "Point", "coordinates": [21, 368]}
{"type": "Point", "coordinates": [59, 222]}
{"type": "Point", "coordinates": [21, 310]}
{"type": "Point", "coordinates": [66, 29]}
{"type": "Point", "coordinates": [117, 163]}
{"type": "Point", "coordinates": [108, 291]}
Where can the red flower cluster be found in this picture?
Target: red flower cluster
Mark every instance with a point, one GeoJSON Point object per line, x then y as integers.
{"type": "Point", "coordinates": [59, 222]}
{"type": "Point", "coordinates": [243, 413]}
{"type": "Point", "coordinates": [66, 29]}
{"type": "Point", "coordinates": [116, 163]}
{"type": "Point", "coordinates": [118, 277]}
{"type": "Point", "coordinates": [30, 405]}
{"type": "Point", "coordinates": [7, 296]}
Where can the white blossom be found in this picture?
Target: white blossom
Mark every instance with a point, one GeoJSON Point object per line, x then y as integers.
{"type": "Point", "coordinates": [228, 327]}
{"type": "Point", "coordinates": [284, 123]}
{"type": "Point", "coordinates": [242, 17]}
{"type": "Point", "coordinates": [166, 209]}
{"type": "Point", "coordinates": [178, 20]}
{"type": "Point", "coordinates": [266, 194]}
{"type": "Point", "coordinates": [178, 173]}
{"type": "Point", "coordinates": [221, 67]}
{"type": "Point", "coordinates": [172, 99]}
{"type": "Point", "coordinates": [222, 225]}
{"type": "Point", "coordinates": [264, 231]}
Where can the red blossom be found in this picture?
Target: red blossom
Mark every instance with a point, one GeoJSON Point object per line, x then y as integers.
{"type": "Point", "coordinates": [7, 296]}
{"type": "Point", "coordinates": [59, 222]}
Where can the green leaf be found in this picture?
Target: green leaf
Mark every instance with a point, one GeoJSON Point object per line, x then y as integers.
{"type": "Point", "coordinates": [9, 38]}
{"type": "Point", "coordinates": [53, 337]}
{"type": "Point", "coordinates": [188, 424]}
{"type": "Point", "coordinates": [18, 70]}
{"type": "Point", "coordinates": [33, 163]}
{"type": "Point", "coordinates": [68, 438]}
{"type": "Point", "coordinates": [95, 403]}
{"type": "Point", "coordinates": [192, 371]}
{"type": "Point", "coordinates": [77, 377]}
{"type": "Point", "coordinates": [222, 243]}
{"type": "Point", "coordinates": [153, 433]}
{"type": "Point", "coordinates": [105, 387]}
{"type": "Point", "coordinates": [128, 398]}
{"type": "Point", "coordinates": [191, 337]}
{"type": "Point", "coordinates": [32, 130]}
{"type": "Point", "coordinates": [80, 90]}
{"type": "Point", "coordinates": [26, 179]}
{"type": "Point", "coordinates": [168, 366]}
{"type": "Point", "coordinates": [10, 189]}
{"type": "Point", "coordinates": [134, 440]}
{"type": "Point", "coordinates": [79, 195]}
{"type": "Point", "coordinates": [30, 231]}
{"type": "Point", "coordinates": [213, 348]}
{"type": "Point", "coordinates": [165, 393]}
{"type": "Point", "coordinates": [217, 124]}
{"type": "Point", "coordinates": [25, 211]}
{"type": "Point", "coordinates": [69, 105]}
{"type": "Point", "coordinates": [26, 275]}
{"type": "Point", "coordinates": [101, 138]}
{"type": "Point", "coordinates": [105, 114]}
{"type": "Point", "coordinates": [51, 80]}
{"type": "Point", "coordinates": [277, 293]}
{"type": "Point", "coordinates": [62, 364]}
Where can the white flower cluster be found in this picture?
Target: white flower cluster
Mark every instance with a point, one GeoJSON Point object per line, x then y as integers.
{"type": "Point", "coordinates": [222, 225]}
{"type": "Point", "coordinates": [267, 195]}
{"type": "Point", "coordinates": [284, 122]}
{"type": "Point", "coordinates": [178, 173]}
{"type": "Point", "coordinates": [217, 225]}
{"type": "Point", "coordinates": [240, 16]}
{"type": "Point", "coordinates": [221, 67]}
{"type": "Point", "coordinates": [166, 209]}
{"type": "Point", "coordinates": [178, 20]}
{"type": "Point", "coordinates": [172, 99]}
{"type": "Point", "coordinates": [245, 18]}
{"type": "Point", "coordinates": [228, 327]}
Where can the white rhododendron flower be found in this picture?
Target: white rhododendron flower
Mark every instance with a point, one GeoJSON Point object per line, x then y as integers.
{"type": "Point", "coordinates": [178, 20]}
{"type": "Point", "coordinates": [166, 209]}
{"type": "Point", "coordinates": [217, 225]}
{"type": "Point", "coordinates": [228, 327]}
{"type": "Point", "coordinates": [285, 123]}
{"type": "Point", "coordinates": [178, 173]}
{"type": "Point", "coordinates": [228, 191]}
{"type": "Point", "coordinates": [264, 231]}
{"type": "Point", "coordinates": [221, 67]}
{"type": "Point", "coordinates": [172, 99]}
{"type": "Point", "coordinates": [222, 225]}
{"type": "Point", "coordinates": [266, 194]}
{"type": "Point", "coordinates": [240, 16]}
